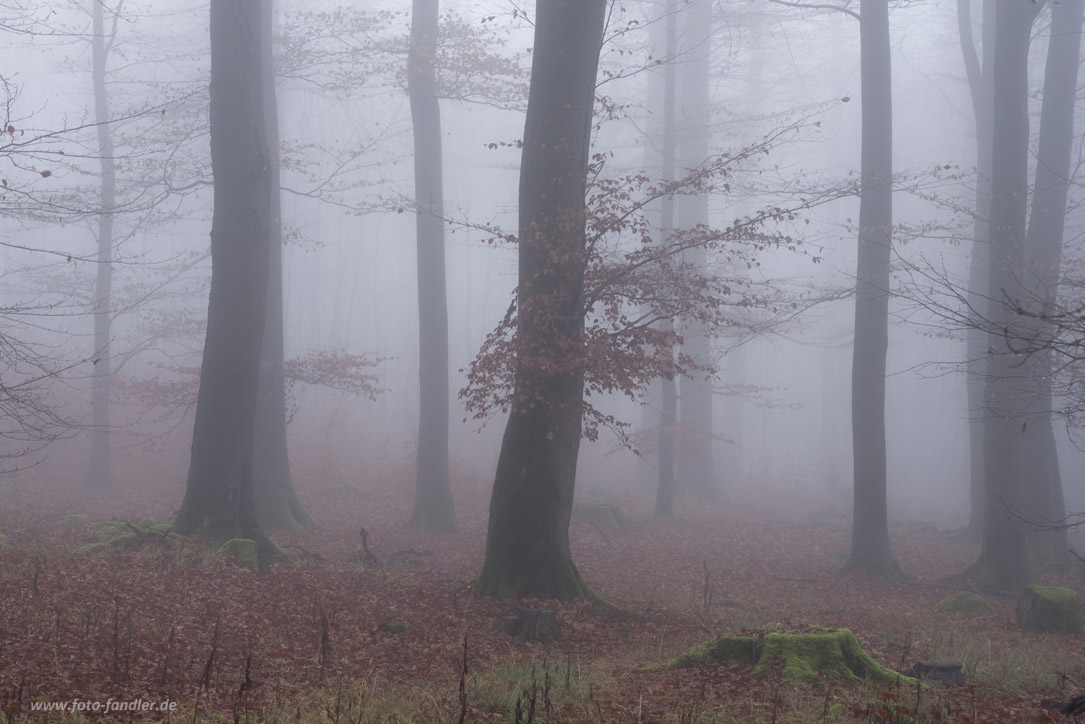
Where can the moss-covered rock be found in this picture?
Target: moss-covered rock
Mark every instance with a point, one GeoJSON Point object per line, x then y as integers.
{"type": "Point", "coordinates": [244, 550]}
{"type": "Point", "coordinates": [392, 627]}
{"type": "Point", "coordinates": [75, 519]}
{"type": "Point", "coordinates": [1049, 609]}
{"type": "Point", "coordinates": [3, 540]}
{"type": "Point", "coordinates": [802, 656]}
{"type": "Point", "coordinates": [965, 602]}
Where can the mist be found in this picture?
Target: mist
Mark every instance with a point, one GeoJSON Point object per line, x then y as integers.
{"type": "Point", "coordinates": [666, 308]}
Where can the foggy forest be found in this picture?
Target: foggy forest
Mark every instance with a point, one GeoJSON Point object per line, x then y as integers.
{"type": "Point", "coordinates": [693, 361]}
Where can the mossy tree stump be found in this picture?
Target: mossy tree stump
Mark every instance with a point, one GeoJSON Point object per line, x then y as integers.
{"type": "Point", "coordinates": [804, 656]}
{"type": "Point", "coordinates": [1049, 609]}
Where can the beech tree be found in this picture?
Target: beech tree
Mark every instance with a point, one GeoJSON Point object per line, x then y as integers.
{"type": "Point", "coordinates": [1044, 242]}
{"type": "Point", "coordinates": [695, 473]}
{"type": "Point", "coordinates": [98, 471]}
{"type": "Point", "coordinates": [870, 552]}
{"type": "Point", "coordinates": [433, 496]}
{"type": "Point", "coordinates": [1022, 483]}
{"type": "Point", "coordinates": [527, 542]}
{"type": "Point", "coordinates": [1003, 562]}
{"type": "Point", "coordinates": [597, 287]}
{"type": "Point", "coordinates": [219, 496]}
{"type": "Point", "coordinates": [276, 501]}
{"type": "Point", "coordinates": [978, 66]}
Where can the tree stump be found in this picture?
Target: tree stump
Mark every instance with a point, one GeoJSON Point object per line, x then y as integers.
{"type": "Point", "coordinates": [1049, 609]}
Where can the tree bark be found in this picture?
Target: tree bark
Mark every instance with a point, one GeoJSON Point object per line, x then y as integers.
{"type": "Point", "coordinates": [527, 543]}
{"type": "Point", "coordinates": [979, 69]}
{"type": "Point", "coordinates": [1003, 562]}
{"type": "Point", "coordinates": [433, 495]}
{"type": "Point", "coordinates": [696, 474]}
{"type": "Point", "coordinates": [870, 552]}
{"type": "Point", "coordinates": [668, 412]}
{"type": "Point", "coordinates": [219, 498]}
{"type": "Point", "coordinates": [277, 504]}
{"type": "Point", "coordinates": [98, 472]}
{"type": "Point", "coordinates": [1044, 250]}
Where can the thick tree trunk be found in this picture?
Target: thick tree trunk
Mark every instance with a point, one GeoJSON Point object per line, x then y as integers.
{"type": "Point", "coordinates": [219, 497]}
{"type": "Point", "coordinates": [433, 495]}
{"type": "Point", "coordinates": [527, 544]}
{"type": "Point", "coordinates": [277, 503]}
{"type": "Point", "coordinates": [696, 474]}
{"type": "Point", "coordinates": [870, 551]}
{"type": "Point", "coordinates": [1003, 562]}
{"type": "Point", "coordinates": [979, 69]}
{"type": "Point", "coordinates": [1043, 249]}
{"type": "Point", "coordinates": [98, 473]}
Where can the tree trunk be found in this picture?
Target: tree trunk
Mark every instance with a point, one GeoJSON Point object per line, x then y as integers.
{"type": "Point", "coordinates": [696, 475]}
{"type": "Point", "coordinates": [433, 495]}
{"type": "Point", "coordinates": [98, 473]}
{"type": "Point", "coordinates": [979, 71]}
{"type": "Point", "coordinates": [527, 544]}
{"type": "Point", "coordinates": [668, 412]}
{"type": "Point", "coordinates": [277, 504]}
{"type": "Point", "coordinates": [870, 551]}
{"type": "Point", "coordinates": [219, 497]}
{"type": "Point", "coordinates": [1003, 562]}
{"type": "Point", "coordinates": [1043, 249]}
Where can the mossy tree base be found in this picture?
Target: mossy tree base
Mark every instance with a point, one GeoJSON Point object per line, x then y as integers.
{"type": "Point", "coordinates": [279, 508]}
{"type": "Point", "coordinates": [1049, 609]}
{"type": "Point", "coordinates": [806, 657]}
{"type": "Point", "coordinates": [244, 551]}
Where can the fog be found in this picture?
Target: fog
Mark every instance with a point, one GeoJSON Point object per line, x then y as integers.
{"type": "Point", "coordinates": [782, 395]}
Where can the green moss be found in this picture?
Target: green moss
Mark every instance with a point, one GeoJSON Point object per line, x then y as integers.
{"type": "Point", "coordinates": [244, 550]}
{"type": "Point", "coordinates": [1049, 609]}
{"type": "Point", "coordinates": [965, 602]}
{"type": "Point", "coordinates": [3, 540]}
{"type": "Point", "coordinates": [393, 627]}
{"type": "Point", "coordinates": [727, 650]}
{"type": "Point", "coordinates": [802, 657]}
{"type": "Point", "coordinates": [125, 540]}
{"type": "Point", "coordinates": [75, 519]}
{"type": "Point", "coordinates": [110, 531]}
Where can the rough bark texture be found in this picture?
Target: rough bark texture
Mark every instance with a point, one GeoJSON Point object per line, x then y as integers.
{"type": "Point", "coordinates": [277, 503]}
{"type": "Point", "coordinates": [98, 473]}
{"type": "Point", "coordinates": [1003, 562]}
{"type": "Point", "coordinates": [696, 473]}
{"type": "Point", "coordinates": [870, 551]}
{"type": "Point", "coordinates": [527, 544]}
{"type": "Point", "coordinates": [433, 496]}
{"type": "Point", "coordinates": [219, 497]}
{"type": "Point", "coordinates": [978, 67]}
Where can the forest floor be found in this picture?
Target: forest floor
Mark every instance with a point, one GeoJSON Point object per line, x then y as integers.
{"type": "Point", "coordinates": [164, 625]}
